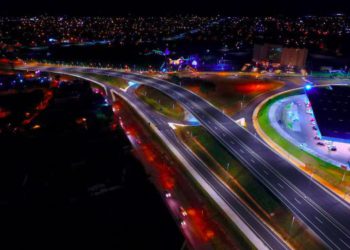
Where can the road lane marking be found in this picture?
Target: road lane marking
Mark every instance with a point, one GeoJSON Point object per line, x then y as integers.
{"type": "Point", "coordinates": [252, 160]}
{"type": "Point", "coordinates": [280, 185]}
{"type": "Point", "coordinates": [265, 172]}
{"type": "Point", "coordinates": [318, 219]}
{"type": "Point", "coordinates": [344, 243]}
{"type": "Point", "coordinates": [241, 151]}
{"type": "Point", "coordinates": [264, 164]}
{"type": "Point", "coordinates": [298, 201]}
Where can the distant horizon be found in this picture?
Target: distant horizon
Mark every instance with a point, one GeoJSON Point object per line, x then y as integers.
{"type": "Point", "coordinates": [339, 14]}
{"type": "Point", "coordinates": [180, 7]}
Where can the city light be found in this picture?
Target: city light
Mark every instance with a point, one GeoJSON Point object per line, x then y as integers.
{"type": "Point", "coordinates": [308, 86]}
{"type": "Point", "coordinates": [235, 122]}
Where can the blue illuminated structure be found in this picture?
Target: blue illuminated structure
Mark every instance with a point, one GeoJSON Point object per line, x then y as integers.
{"type": "Point", "coordinates": [330, 106]}
{"type": "Point", "coordinates": [308, 86]}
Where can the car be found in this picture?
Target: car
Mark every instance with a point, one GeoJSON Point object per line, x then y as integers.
{"type": "Point", "coordinates": [320, 143]}
{"type": "Point", "coordinates": [314, 128]}
{"type": "Point", "coordinates": [317, 137]}
{"type": "Point", "coordinates": [332, 148]}
{"type": "Point", "coordinates": [182, 222]}
{"type": "Point", "coordinates": [167, 194]}
{"type": "Point", "coordinates": [182, 211]}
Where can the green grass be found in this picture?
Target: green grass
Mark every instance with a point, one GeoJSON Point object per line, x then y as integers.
{"type": "Point", "coordinates": [112, 80]}
{"type": "Point", "coordinates": [223, 157]}
{"type": "Point", "coordinates": [327, 171]}
{"type": "Point", "coordinates": [154, 98]}
{"type": "Point", "coordinates": [160, 102]}
{"type": "Point", "coordinates": [224, 92]}
{"type": "Point", "coordinates": [282, 217]}
{"type": "Point", "coordinates": [328, 75]}
{"type": "Point", "coordinates": [235, 234]}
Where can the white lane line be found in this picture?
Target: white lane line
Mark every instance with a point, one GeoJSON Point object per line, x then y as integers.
{"type": "Point", "coordinates": [298, 201]}
{"type": "Point", "coordinates": [252, 160]}
{"type": "Point", "coordinates": [280, 185]}
{"type": "Point", "coordinates": [265, 172]}
{"type": "Point", "coordinates": [241, 151]}
{"type": "Point", "coordinates": [232, 142]}
{"type": "Point", "coordinates": [318, 219]}
{"type": "Point", "coordinates": [344, 243]}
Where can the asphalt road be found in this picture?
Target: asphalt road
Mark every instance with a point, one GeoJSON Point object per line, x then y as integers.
{"type": "Point", "coordinates": [323, 212]}
{"type": "Point", "coordinates": [305, 134]}
{"type": "Point", "coordinates": [248, 110]}
{"type": "Point", "coordinates": [265, 234]}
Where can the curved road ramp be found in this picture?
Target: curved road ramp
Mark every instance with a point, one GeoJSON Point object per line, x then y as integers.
{"type": "Point", "coordinates": [317, 207]}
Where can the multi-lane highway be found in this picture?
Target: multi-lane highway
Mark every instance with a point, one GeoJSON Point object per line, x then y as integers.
{"type": "Point", "coordinates": [259, 228]}
{"type": "Point", "coordinates": [260, 234]}
{"type": "Point", "coordinates": [324, 213]}
{"type": "Point", "coordinates": [248, 111]}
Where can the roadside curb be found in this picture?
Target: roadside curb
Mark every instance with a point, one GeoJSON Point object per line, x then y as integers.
{"type": "Point", "coordinates": [341, 195]}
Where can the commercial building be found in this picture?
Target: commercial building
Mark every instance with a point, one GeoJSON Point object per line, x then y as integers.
{"type": "Point", "coordinates": [277, 54]}
{"type": "Point", "coordinates": [331, 108]}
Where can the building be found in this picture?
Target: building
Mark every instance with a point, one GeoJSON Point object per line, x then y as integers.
{"type": "Point", "coordinates": [278, 54]}
{"type": "Point", "coordinates": [331, 108]}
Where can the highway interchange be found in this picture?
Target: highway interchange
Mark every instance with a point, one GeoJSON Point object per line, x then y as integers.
{"type": "Point", "coordinates": [323, 212]}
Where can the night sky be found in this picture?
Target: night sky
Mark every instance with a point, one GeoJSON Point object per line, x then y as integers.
{"type": "Point", "coordinates": [158, 7]}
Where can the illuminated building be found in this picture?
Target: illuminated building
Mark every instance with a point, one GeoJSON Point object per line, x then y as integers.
{"type": "Point", "coordinates": [330, 107]}
{"type": "Point", "coordinates": [273, 53]}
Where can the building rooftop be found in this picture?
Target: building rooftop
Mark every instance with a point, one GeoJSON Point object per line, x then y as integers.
{"type": "Point", "coordinates": [331, 107]}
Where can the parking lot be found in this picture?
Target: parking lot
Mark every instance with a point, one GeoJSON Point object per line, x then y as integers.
{"type": "Point", "coordinates": [293, 119]}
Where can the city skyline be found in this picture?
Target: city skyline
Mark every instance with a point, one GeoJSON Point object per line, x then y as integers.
{"type": "Point", "coordinates": [158, 7]}
{"type": "Point", "coordinates": [175, 125]}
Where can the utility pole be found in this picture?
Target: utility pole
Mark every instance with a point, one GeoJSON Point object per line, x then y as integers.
{"type": "Point", "coordinates": [343, 177]}
{"type": "Point", "coordinates": [291, 224]}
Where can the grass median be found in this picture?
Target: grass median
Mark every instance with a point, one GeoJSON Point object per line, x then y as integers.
{"type": "Point", "coordinates": [229, 235]}
{"type": "Point", "coordinates": [112, 80]}
{"type": "Point", "coordinates": [247, 187]}
{"type": "Point", "coordinates": [160, 102]}
{"type": "Point", "coordinates": [226, 92]}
